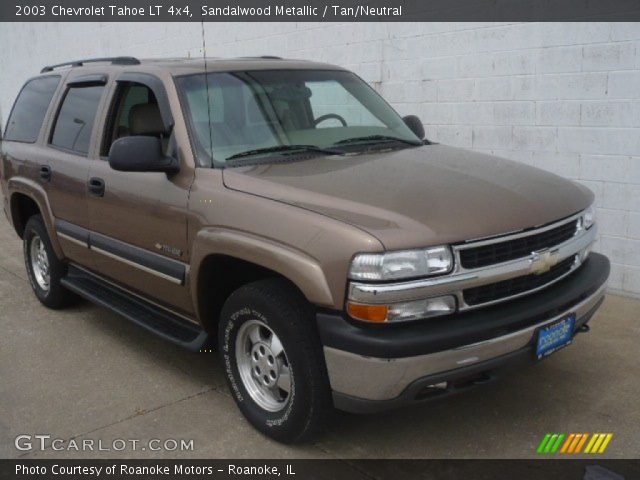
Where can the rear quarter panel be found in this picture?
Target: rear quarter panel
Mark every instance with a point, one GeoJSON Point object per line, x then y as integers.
{"type": "Point", "coordinates": [20, 175]}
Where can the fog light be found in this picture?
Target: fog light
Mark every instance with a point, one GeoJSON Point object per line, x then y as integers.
{"type": "Point", "coordinates": [405, 311]}
{"type": "Point", "coordinates": [585, 253]}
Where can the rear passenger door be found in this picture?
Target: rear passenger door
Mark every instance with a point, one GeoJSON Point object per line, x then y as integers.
{"type": "Point", "coordinates": [69, 143]}
{"type": "Point", "coordinates": [138, 220]}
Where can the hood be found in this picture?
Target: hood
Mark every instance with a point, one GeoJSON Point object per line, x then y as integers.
{"type": "Point", "coordinates": [418, 196]}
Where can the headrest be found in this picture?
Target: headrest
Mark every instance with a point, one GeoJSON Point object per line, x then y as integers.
{"type": "Point", "coordinates": [145, 119]}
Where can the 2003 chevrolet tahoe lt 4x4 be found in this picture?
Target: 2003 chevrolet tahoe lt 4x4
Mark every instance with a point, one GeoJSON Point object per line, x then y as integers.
{"type": "Point", "coordinates": [285, 211]}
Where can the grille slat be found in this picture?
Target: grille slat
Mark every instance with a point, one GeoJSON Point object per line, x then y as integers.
{"type": "Point", "coordinates": [485, 255]}
{"type": "Point", "coordinates": [515, 286]}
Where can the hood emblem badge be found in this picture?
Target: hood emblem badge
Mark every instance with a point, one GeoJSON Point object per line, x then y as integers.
{"type": "Point", "coordinates": [543, 260]}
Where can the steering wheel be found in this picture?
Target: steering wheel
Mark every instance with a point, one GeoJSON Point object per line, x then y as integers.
{"type": "Point", "coordinates": [330, 116]}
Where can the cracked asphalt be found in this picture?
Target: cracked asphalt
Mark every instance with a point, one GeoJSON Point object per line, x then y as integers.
{"type": "Point", "coordinates": [88, 374]}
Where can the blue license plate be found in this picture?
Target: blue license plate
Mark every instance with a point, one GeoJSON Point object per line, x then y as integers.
{"type": "Point", "coordinates": [555, 336]}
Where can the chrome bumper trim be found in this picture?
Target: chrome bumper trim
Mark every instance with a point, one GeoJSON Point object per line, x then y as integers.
{"type": "Point", "coordinates": [462, 279]}
{"type": "Point", "coordinates": [384, 379]}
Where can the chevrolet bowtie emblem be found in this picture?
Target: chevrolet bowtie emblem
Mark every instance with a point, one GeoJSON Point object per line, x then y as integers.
{"type": "Point", "coordinates": [543, 260]}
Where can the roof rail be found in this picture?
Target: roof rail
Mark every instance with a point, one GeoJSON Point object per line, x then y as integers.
{"type": "Point", "coordinates": [264, 57]}
{"type": "Point", "coordinates": [79, 63]}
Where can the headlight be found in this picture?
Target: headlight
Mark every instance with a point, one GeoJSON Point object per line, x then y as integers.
{"type": "Point", "coordinates": [589, 217]}
{"type": "Point", "coordinates": [404, 311]}
{"type": "Point", "coordinates": [401, 264]}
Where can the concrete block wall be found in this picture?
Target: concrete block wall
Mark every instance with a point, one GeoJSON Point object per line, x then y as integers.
{"type": "Point", "coordinates": [561, 96]}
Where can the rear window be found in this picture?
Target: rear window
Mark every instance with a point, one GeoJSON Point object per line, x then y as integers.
{"type": "Point", "coordinates": [74, 123]}
{"type": "Point", "coordinates": [30, 108]}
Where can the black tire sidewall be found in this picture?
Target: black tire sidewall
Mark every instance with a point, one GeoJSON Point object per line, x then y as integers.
{"type": "Point", "coordinates": [31, 230]}
{"type": "Point", "coordinates": [288, 423]}
{"type": "Point", "coordinates": [56, 293]}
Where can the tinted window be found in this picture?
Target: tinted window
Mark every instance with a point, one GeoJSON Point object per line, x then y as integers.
{"type": "Point", "coordinates": [134, 94]}
{"type": "Point", "coordinates": [75, 119]}
{"type": "Point", "coordinates": [128, 99]}
{"type": "Point", "coordinates": [28, 112]}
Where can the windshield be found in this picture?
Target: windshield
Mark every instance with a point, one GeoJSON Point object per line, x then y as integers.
{"type": "Point", "coordinates": [269, 113]}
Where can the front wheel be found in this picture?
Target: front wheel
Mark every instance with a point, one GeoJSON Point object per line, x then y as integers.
{"type": "Point", "coordinates": [273, 360]}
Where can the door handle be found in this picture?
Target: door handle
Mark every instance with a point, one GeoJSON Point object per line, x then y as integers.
{"type": "Point", "coordinates": [96, 186]}
{"type": "Point", "coordinates": [45, 173]}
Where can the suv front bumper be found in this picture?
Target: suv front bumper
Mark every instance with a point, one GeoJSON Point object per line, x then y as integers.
{"type": "Point", "coordinates": [374, 368]}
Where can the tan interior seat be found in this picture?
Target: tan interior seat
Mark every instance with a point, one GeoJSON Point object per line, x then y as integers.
{"type": "Point", "coordinates": [145, 119]}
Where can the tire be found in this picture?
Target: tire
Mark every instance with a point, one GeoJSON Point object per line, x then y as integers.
{"type": "Point", "coordinates": [46, 287]}
{"type": "Point", "coordinates": [282, 310]}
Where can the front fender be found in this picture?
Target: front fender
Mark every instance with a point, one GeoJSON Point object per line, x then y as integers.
{"type": "Point", "coordinates": [301, 269]}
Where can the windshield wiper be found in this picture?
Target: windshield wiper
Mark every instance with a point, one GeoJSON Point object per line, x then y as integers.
{"type": "Point", "coordinates": [372, 139]}
{"type": "Point", "coordinates": [286, 148]}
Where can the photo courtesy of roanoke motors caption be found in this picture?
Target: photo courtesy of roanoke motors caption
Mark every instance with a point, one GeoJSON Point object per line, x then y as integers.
{"type": "Point", "coordinates": [353, 240]}
{"type": "Point", "coordinates": [124, 469]}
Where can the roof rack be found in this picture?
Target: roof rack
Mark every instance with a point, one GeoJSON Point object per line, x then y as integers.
{"type": "Point", "coordinates": [264, 57]}
{"type": "Point", "coordinates": [79, 63]}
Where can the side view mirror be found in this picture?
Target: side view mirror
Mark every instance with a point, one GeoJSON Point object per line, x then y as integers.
{"type": "Point", "coordinates": [141, 154]}
{"type": "Point", "coordinates": [415, 125]}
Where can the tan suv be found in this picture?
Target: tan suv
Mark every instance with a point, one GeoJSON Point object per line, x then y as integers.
{"type": "Point", "coordinates": [282, 211]}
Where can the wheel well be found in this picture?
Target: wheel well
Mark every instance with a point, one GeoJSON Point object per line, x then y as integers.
{"type": "Point", "coordinates": [219, 277]}
{"type": "Point", "coordinates": [22, 208]}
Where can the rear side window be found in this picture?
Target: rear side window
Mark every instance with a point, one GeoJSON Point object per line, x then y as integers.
{"type": "Point", "coordinates": [30, 108]}
{"type": "Point", "coordinates": [72, 130]}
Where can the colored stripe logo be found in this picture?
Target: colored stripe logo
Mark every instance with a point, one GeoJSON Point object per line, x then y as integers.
{"type": "Point", "coordinates": [574, 443]}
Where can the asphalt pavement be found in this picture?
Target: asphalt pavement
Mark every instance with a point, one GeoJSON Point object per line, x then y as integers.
{"type": "Point", "coordinates": [86, 374]}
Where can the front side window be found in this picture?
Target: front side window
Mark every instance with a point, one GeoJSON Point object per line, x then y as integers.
{"type": "Point", "coordinates": [261, 113]}
{"type": "Point", "coordinates": [30, 108]}
{"type": "Point", "coordinates": [74, 123]}
{"type": "Point", "coordinates": [135, 111]}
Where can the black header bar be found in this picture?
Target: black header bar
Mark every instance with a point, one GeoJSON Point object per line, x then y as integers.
{"type": "Point", "coordinates": [318, 10]}
{"type": "Point", "coordinates": [567, 469]}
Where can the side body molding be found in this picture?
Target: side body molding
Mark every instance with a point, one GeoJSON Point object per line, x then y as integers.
{"type": "Point", "coordinates": [304, 271]}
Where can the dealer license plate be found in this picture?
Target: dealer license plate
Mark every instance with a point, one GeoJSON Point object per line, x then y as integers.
{"type": "Point", "coordinates": [555, 336]}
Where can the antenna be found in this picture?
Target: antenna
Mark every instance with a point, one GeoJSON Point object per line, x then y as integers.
{"type": "Point", "coordinates": [206, 82]}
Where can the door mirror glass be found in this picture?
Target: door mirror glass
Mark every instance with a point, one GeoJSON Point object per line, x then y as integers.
{"type": "Point", "coordinates": [141, 154]}
{"type": "Point", "coordinates": [415, 124]}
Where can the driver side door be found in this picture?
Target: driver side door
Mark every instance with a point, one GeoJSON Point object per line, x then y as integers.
{"type": "Point", "coordinates": [139, 219]}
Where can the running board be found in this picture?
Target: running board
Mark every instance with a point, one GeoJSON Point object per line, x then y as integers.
{"type": "Point", "coordinates": [155, 319]}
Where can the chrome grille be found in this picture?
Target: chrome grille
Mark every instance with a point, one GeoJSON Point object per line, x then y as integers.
{"type": "Point", "coordinates": [485, 255]}
{"type": "Point", "coordinates": [515, 286]}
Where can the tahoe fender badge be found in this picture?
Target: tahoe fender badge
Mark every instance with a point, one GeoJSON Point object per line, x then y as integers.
{"type": "Point", "coordinates": [168, 249]}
